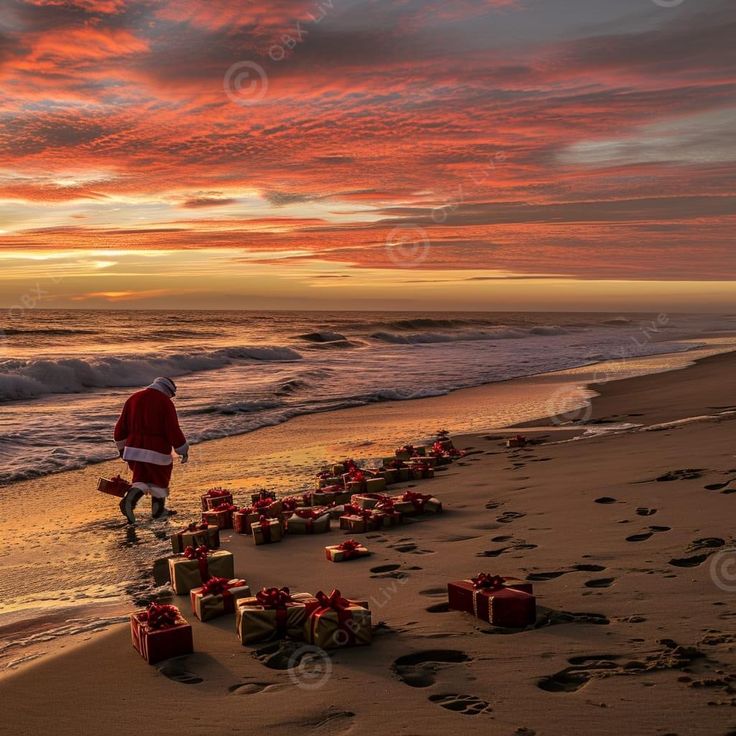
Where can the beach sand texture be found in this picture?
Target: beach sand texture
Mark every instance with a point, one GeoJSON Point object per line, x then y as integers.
{"type": "Point", "coordinates": [627, 548]}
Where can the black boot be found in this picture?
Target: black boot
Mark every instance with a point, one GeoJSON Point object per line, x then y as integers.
{"type": "Point", "coordinates": [128, 504]}
{"type": "Point", "coordinates": [158, 508]}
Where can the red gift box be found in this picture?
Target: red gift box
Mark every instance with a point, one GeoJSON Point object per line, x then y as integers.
{"type": "Point", "coordinates": [116, 486]}
{"type": "Point", "coordinates": [502, 601]}
{"type": "Point", "coordinates": [214, 497]}
{"type": "Point", "coordinates": [160, 632]}
{"type": "Point", "coordinates": [221, 516]}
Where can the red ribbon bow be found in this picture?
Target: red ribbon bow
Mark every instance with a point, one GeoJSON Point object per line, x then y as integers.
{"type": "Point", "coordinates": [198, 553]}
{"type": "Point", "coordinates": [289, 504]}
{"type": "Point", "coordinates": [307, 513]}
{"type": "Point", "coordinates": [215, 492]}
{"type": "Point", "coordinates": [225, 507]}
{"type": "Point", "coordinates": [161, 616]}
{"type": "Point", "coordinates": [356, 476]}
{"type": "Point", "coordinates": [273, 597]}
{"type": "Point", "coordinates": [487, 582]}
{"type": "Point", "coordinates": [216, 586]}
{"type": "Point", "coordinates": [349, 545]}
{"type": "Point", "coordinates": [194, 527]}
{"type": "Point", "coordinates": [418, 499]}
{"type": "Point", "coordinates": [334, 600]}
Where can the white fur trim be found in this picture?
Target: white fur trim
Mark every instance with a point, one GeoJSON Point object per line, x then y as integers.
{"type": "Point", "coordinates": [140, 455]}
{"type": "Point", "coordinates": [151, 490]}
{"type": "Point", "coordinates": [183, 450]}
{"type": "Point", "coordinates": [120, 444]}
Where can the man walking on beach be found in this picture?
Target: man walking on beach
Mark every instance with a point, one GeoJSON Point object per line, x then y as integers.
{"type": "Point", "coordinates": [145, 434]}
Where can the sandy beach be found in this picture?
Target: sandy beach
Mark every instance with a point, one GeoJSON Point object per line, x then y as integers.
{"type": "Point", "coordinates": [627, 549]}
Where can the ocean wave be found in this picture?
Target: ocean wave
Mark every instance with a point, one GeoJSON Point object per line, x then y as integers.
{"type": "Point", "coordinates": [322, 336]}
{"type": "Point", "coordinates": [27, 379]}
{"type": "Point", "coordinates": [238, 407]}
{"type": "Point", "coordinates": [498, 333]}
{"type": "Point", "coordinates": [48, 331]}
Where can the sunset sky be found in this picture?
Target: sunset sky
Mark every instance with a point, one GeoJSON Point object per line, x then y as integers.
{"type": "Point", "coordinates": [473, 154]}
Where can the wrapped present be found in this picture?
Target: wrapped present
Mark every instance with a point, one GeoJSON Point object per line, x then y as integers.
{"type": "Point", "coordinates": [387, 513]}
{"type": "Point", "coordinates": [329, 480]}
{"type": "Point", "coordinates": [420, 471]}
{"type": "Point", "coordinates": [266, 531]}
{"type": "Point", "coordinates": [116, 486]}
{"type": "Point", "coordinates": [196, 535]}
{"type": "Point", "coordinates": [325, 496]}
{"type": "Point", "coordinates": [347, 550]}
{"type": "Point", "coordinates": [273, 613]}
{"type": "Point", "coordinates": [197, 565]}
{"type": "Point", "coordinates": [405, 452]}
{"type": "Point", "coordinates": [368, 500]}
{"type": "Point", "coordinates": [502, 601]}
{"type": "Point", "coordinates": [390, 475]}
{"type": "Point", "coordinates": [221, 516]}
{"type": "Point", "coordinates": [243, 518]}
{"type": "Point", "coordinates": [217, 597]}
{"type": "Point", "coordinates": [214, 497]}
{"type": "Point", "coordinates": [430, 460]}
{"type": "Point", "coordinates": [338, 622]}
{"type": "Point", "coordinates": [160, 632]}
{"type": "Point", "coordinates": [518, 441]}
{"type": "Point", "coordinates": [361, 521]}
{"type": "Point", "coordinates": [263, 495]}
{"type": "Point", "coordinates": [411, 503]}
{"type": "Point", "coordinates": [308, 521]}
{"type": "Point", "coordinates": [290, 503]}
{"type": "Point", "coordinates": [336, 510]}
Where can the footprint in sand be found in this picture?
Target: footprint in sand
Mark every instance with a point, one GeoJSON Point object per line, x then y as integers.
{"type": "Point", "coordinates": [685, 474]}
{"type": "Point", "coordinates": [605, 500]}
{"type": "Point", "coordinates": [251, 688]}
{"type": "Point", "coordinates": [542, 576]}
{"type": "Point", "coordinates": [175, 670]}
{"type": "Point", "coordinates": [585, 567]}
{"type": "Point", "coordinates": [641, 537]}
{"type": "Point", "coordinates": [388, 571]}
{"type": "Point", "coordinates": [508, 516]}
{"type": "Point", "coordinates": [411, 548]}
{"type": "Point", "coordinates": [644, 511]}
{"type": "Point", "coordinates": [586, 668]}
{"type": "Point", "coordinates": [419, 668]}
{"type": "Point", "coordinates": [468, 705]}
{"type": "Point", "coordinates": [438, 608]}
{"type": "Point", "coordinates": [600, 583]}
{"type": "Point", "coordinates": [281, 655]}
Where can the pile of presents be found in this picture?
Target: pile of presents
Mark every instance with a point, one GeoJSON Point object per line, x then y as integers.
{"type": "Point", "coordinates": [356, 497]}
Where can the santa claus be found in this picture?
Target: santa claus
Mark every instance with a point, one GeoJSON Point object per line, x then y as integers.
{"type": "Point", "coordinates": [145, 434]}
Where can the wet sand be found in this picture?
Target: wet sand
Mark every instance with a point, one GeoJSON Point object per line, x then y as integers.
{"type": "Point", "coordinates": [622, 539]}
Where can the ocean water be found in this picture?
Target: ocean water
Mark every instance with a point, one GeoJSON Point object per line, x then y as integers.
{"type": "Point", "coordinates": [64, 375]}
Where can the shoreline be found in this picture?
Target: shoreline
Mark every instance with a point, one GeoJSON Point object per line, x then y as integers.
{"type": "Point", "coordinates": [531, 512]}
{"type": "Point", "coordinates": [699, 345]}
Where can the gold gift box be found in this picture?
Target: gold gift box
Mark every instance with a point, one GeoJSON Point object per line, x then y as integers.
{"type": "Point", "coordinates": [261, 536]}
{"type": "Point", "coordinates": [185, 574]}
{"type": "Point", "coordinates": [206, 607]}
{"type": "Point", "coordinates": [255, 623]}
{"type": "Point", "coordinates": [325, 628]}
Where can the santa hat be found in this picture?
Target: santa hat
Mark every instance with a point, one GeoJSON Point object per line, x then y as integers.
{"type": "Point", "coordinates": [165, 386]}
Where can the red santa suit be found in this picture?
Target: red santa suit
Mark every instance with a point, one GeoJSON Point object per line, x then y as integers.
{"type": "Point", "coordinates": [146, 433]}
